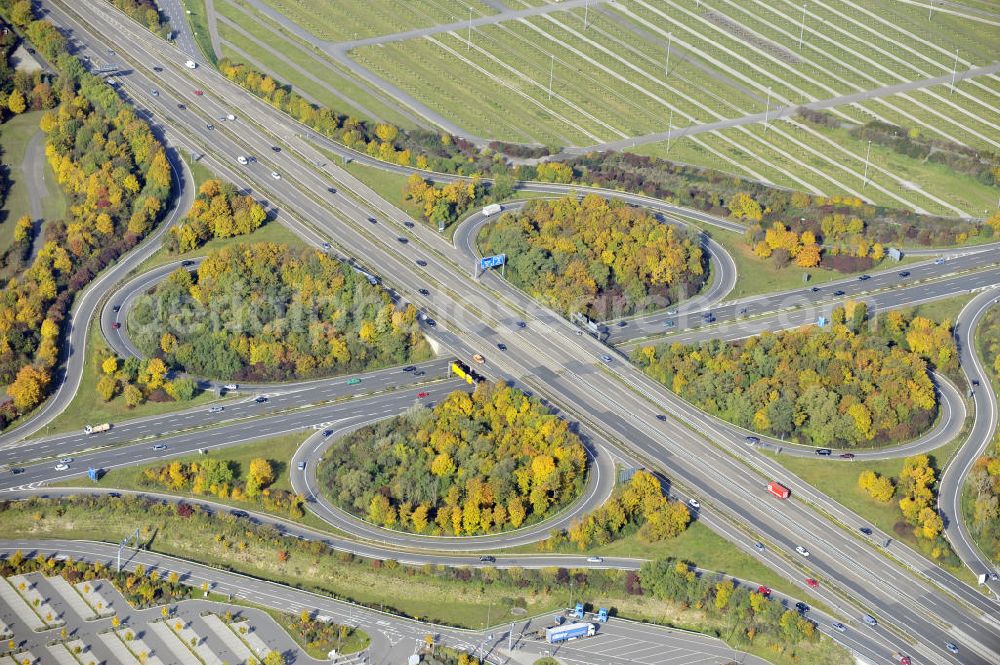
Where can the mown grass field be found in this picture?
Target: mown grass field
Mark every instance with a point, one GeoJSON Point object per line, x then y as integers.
{"type": "Point", "coordinates": [15, 135]}
{"type": "Point", "coordinates": [609, 83]}
{"type": "Point", "coordinates": [357, 19]}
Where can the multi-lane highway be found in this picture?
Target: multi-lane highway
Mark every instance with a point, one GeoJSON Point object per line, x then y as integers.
{"type": "Point", "coordinates": [547, 355]}
{"type": "Point", "coordinates": [612, 399]}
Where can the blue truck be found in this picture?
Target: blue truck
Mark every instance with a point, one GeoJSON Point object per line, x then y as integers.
{"type": "Point", "coordinates": [570, 631]}
{"type": "Point", "coordinates": [578, 612]}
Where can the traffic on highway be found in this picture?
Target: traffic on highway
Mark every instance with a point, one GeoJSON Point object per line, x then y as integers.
{"type": "Point", "coordinates": [863, 585]}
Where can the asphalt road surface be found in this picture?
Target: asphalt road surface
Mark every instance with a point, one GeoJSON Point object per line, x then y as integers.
{"type": "Point", "coordinates": [979, 437]}
{"type": "Point", "coordinates": [567, 369]}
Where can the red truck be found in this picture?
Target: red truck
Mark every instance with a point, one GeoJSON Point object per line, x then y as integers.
{"type": "Point", "coordinates": [778, 490]}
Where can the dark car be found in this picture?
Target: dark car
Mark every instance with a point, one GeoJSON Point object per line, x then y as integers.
{"type": "Point", "coordinates": [157, 69]}
{"type": "Point", "coordinates": [116, 325]}
{"type": "Point", "coordinates": [487, 559]}
{"type": "Point", "coordinates": [408, 224]}
{"type": "Point", "coordinates": [622, 324]}
{"type": "Point", "coordinates": [864, 278]}
{"type": "Point", "coordinates": [372, 220]}
{"type": "Point", "coordinates": [327, 432]}
{"type": "Point", "coordinates": [209, 126]}
{"type": "Point", "coordinates": [421, 263]}
{"type": "Point", "coordinates": [181, 107]}
{"type": "Point", "coordinates": [261, 399]}
{"type": "Point", "coordinates": [815, 289]}
{"type": "Point", "coordinates": [187, 263]}
{"type": "Point", "coordinates": [403, 240]}
{"type": "Point", "coordinates": [838, 293]}
{"type": "Point", "coordinates": [522, 324]}
{"type": "Point", "coordinates": [410, 368]}
{"type": "Point", "coordinates": [801, 607]}
{"type": "Point", "coordinates": [753, 440]}
{"type": "Point", "coordinates": [275, 148]}
{"type": "Point", "coordinates": [826, 452]}
{"type": "Point", "coordinates": [846, 455]}
{"type": "Point", "coordinates": [865, 530]}
{"type": "Point", "coordinates": [424, 292]}
{"type": "Point", "coordinates": [239, 513]}
{"type": "Point", "coordinates": [16, 470]}
{"type": "Point", "coordinates": [502, 346]}
{"type": "Point", "coordinates": [905, 273]}
{"type": "Point", "coordinates": [662, 418]}
{"type": "Point", "coordinates": [117, 308]}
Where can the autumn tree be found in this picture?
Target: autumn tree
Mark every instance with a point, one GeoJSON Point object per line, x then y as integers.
{"type": "Point", "coordinates": [259, 476]}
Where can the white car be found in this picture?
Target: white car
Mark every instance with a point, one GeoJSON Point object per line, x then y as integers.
{"type": "Point", "coordinates": [217, 409]}
{"type": "Point", "coordinates": [231, 386]}
{"type": "Point", "coordinates": [694, 503]}
{"type": "Point", "coordinates": [801, 550]}
{"type": "Point", "coordinates": [594, 559]}
{"type": "Point", "coordinates": [242, 160]}
{"type": "Point", "coordinates": [275, 175]}
{"type": "Point", "coordinates": [66, 460]}
{"type": "Point", "coordinates": [301, 466]}
{"type": "Point", "coordinates": [160, 446]}
{"type": "Point", "coordinates": [62, 467]}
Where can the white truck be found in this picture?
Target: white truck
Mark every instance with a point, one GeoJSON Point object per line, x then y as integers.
{"type": "Point", "coordinates": [96, 429]}
{"type": "Point", "coordinates": [571, 631]}
{"type": "Point", "coordinates": [191, 64]}
{"type": "Point", "coordinates": [492, 209]}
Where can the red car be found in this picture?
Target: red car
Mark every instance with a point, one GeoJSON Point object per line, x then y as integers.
{"type": "Point", "coordinates": [847, 456]}
{"type": "Point", "coordinates": [198, 93]}
{"type": "Point", "coordinates": [811, 582]}
{"type": "Point", "coordinates": [116, 325]}
{"type": "Point", "coordinates": [763, 590]}
{"type": "Point", "coordinates": [422, 395]}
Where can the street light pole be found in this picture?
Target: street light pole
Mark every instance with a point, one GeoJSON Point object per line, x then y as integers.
{"type": "Point", "coordinates": [767, 109]}
{"type": "Point", "coordinates": [868, 155]}
{"type": "Point", "coordinates": [468, 42]}
{"type": "Point", "coordinates": [802, 26]}
{"type": "Point", "coordinates": [552, 68]}
{"type": "Point", "coordinates": [670, 128]}
{"type": "Point", "coordinates": [954, 71]}
{"type": "Point", "coordinates": [586, 13]}
{"type": "Point", "coordinates": [666, 65]}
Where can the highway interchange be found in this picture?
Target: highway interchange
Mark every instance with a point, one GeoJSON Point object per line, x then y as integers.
{"type": "Point", "coordinates": [617, 407]}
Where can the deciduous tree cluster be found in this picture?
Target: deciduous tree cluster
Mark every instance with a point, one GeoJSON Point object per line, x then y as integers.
{"type": "Point", "coordinates": [138, 380]}
{"type": "Point", "coordinates": [638, 504]}
{"type": "Point", "coordinates": [219, 211]}
{"type": "Point", "coordinates": [145, 12]}
{"type": "Point", "coordinates": [596, 256]}
{"type": "Point", "coordinates": [758, 618]}
{"type": "Point", "coordinates": [265, 311]}
{"type": "Point", "coordinates": [443, 206]}
{"type": "Point", "coordinates": [849, 385]}
{"type": "Point", "coordinates": [472, 464]}
{"type": "Point", "coordinates": [711, 191]}
{"type": "Point", "coordinates": [227, 479]}
{"type": "Point", "coordinates": [118, 179]}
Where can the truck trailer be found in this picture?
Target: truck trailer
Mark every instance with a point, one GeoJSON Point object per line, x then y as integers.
{"type": "Point", "coordinates": [492, 209]}
{"type": "Point", "coordinates": [96, 429]}
{"type": "Point", "coordinates": [570, 631]}
{"type": "Point", "coordinates": [778, 490]}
